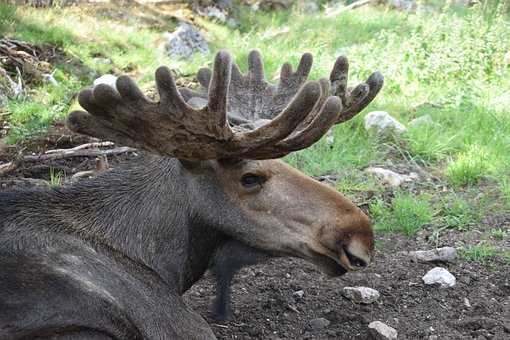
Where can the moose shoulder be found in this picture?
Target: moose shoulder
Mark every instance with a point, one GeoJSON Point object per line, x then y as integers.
{"type": "Point", "coordinates": [110, 257]}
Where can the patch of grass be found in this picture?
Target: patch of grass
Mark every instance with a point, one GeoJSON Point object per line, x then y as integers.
{"type": "Point", "coordinates": [457, 213]}
{"type": "Point", "coordinates": [480, 252]}
{"type": "Point", "coordinates": [406, 213]}
{"type": "Point", "coordinates": [499, 233]}
{"type": "Point", "coordinates": [56, 178]}
{"type": "Point", "coordinates": [506, 257]}
{"type": "Point", "coordinates": [351, 149]}
{"type": "Point", "coordinates": [504, 187]}
{"type": "Point", "coordinates": [469, 167]}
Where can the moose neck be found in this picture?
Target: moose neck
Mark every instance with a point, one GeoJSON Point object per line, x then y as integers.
{"type": "Point", "coordinates": [147, 213]}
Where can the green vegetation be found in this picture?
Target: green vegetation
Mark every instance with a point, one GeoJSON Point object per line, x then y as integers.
{"type": "Point", "coordinates": [499, 233]}
{"type": "Point", "coordinates": [407, 213]}
{"type": "Point", "coordinates": [457, 213]}
{"type": "Point", "coordinates": [478, 253]}
{"type": "Point", "coordinates": [453, 65]}
{"type": "Point", "coordinates": [56, 178]}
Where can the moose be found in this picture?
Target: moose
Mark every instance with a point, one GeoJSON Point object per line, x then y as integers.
{"type": "Point", "coordinates": [110, 257]}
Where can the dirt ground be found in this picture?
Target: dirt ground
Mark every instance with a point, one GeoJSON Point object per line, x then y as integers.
{"type": "Point", "coordinates": [265, 306]}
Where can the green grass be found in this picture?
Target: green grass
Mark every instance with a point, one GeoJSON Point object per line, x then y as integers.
{"type": "Point", "coordinates": [499, 234]}
{"type": "Point", "coordinates": [56, 178]}
{"type": "Point", "coordinates": [406, 213]}
{"type": "Point", "coordinates": [457, 213]}
{"type": "Point", "coordinates": [481, 252]}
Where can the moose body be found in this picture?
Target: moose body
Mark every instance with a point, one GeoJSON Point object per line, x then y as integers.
{"type": "Point", "coordinates": [110, 257]}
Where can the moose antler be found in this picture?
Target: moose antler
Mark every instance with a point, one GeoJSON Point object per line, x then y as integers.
{"type": "Point", "coordinates": [242, 117]}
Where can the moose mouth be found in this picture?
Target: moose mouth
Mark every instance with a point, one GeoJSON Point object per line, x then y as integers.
{"type": "Point", "coordinates": [337, 265]}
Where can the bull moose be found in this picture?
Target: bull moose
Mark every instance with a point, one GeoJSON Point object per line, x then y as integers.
{"type": "Point", "coordinates": [110, 257]}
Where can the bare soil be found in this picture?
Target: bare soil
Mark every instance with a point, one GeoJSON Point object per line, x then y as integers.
{"type": "Point", "coordinates": [265, 306]}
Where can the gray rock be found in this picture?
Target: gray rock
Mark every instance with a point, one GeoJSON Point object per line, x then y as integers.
{"type": "Point", "coordinates": [299, 294]}
{"type": "Point", "coordinates": [185, 41]}
{"type": "Point", "coordinates": [380, 330]}
{"type": "Point", "coordinates": [330, 137]}
{"type": "Point", "coordinates": [391, 178]}
{"type": "Point", "coordinates": [108, 79]}
{"type": "Point", "coordinates": [421, 121]}
{"type": "Point", "coordinates": [216, 13]}
{"type": "Point", "coordinates": [49, 79]}
{"type": "Point", "coordinates": [7, 87]}
{"type": "Point", "coordinates": [232, 23]}
{"type": "Point", "coordinates": [439, 276]}
{"type": "Point", "coordinates": [101, 60]}
{"type": "Point", "coordinates": [319, 323]}
{"type": "Point", "coordinates": [444, 254]}
{"type": "Point", "coordinates": [382, 123]}
{"type": "Point", "coordinates": [364, 295]}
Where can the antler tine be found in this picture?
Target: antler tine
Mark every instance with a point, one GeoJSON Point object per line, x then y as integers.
{"type": "Point", "coordinates": [316, 124]}
{"type": "Point", "coordinates": [355, 101]}
{"type": "Point", "coordinates": [286, 122]}
{"type": "Point", "coordinates": [255, 66]}
{"type": "Point", "coordinates": [372, 87]}
{"type": "Point", "coordinates": [311, 134]}
{"type": "Point", "coordinates": [290, 78]}
{"type": "Point", "coordinates": [204, 77]}
{"type": "Point", "coordinates": [168, 92]}
{"type": "Point", "coordinates": [218, 91]}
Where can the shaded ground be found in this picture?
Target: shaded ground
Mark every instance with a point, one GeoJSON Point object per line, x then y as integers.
{"type": "Point", "coordinates": [265, 307]}
{"type": "Point", "coordinates": [263, 300]}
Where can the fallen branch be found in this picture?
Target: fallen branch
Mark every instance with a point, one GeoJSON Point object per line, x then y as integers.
{"type": "Point", "coordinates": [66, 153]}
{"type": "Point", "coordinates": [11, 166]}
{"type": "Point", "coordinates": [354, 5]}
{"type": "Point", "coordinates": [101, 165]}
{"type": "Point", "coordinates": [70, 153]}
{"type": "Point", "coordinates": [81, 147]}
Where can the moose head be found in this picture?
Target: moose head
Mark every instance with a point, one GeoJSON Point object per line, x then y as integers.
{"type": "Point", "coordinates": [227, 139]}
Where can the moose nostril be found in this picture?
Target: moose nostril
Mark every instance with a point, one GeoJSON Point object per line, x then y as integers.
{"type": "Point", "coordinates": [354, 260]}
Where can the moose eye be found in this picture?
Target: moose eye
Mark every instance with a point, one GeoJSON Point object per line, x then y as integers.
{"type": "Point", "coordinates": [251, 180]}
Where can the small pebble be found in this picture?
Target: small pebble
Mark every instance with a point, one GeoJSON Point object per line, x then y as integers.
{"type": "Point", "coordinates": [298, 294]}
{"type": "Point", "coordinates": [364, 295]}
{"type": "Point", "coordinates": [319, 323]}
{"type": "Point", "coordinates": [380, 330]}
{"type": "Point", "coordinates": [439, 276]}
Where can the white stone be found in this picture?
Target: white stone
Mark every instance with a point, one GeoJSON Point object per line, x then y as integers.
{"type": "Point", "coordinates": [382, 123]}
{"type": "Point", "coordinates": [391, 178]}
{"type": "Point", "coordinates": [330, 138]}
{"type": "Point", "coordinates": [48, 78]}
{"type": "Point", "coordinates": [420, 121]}
{"type": "Point", "coordinates": [108, 79]}
{"type": "Point", "coordinates": [445, 254]}
{"type": "Point", "coordinates": [299, 294]}
{"type": "Point", "coordinates": [380, 330]}
{"type": "Point", "coordinates": [364, 295]}
{"type": "Point", "coordinates": [216, 13]}
{"type": "Point", "coordinates": [439, 276]}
